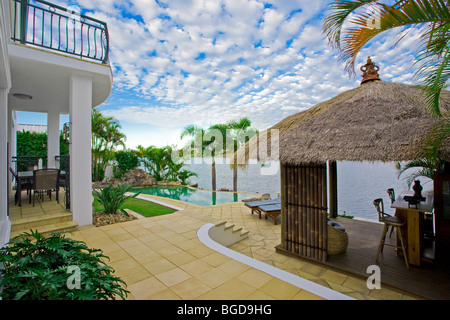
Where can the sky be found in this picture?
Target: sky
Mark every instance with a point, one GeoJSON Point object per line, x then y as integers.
{"type": "Point", "coordinates": [203, 62]}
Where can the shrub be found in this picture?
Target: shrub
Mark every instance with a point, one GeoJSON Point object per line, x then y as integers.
{"type": "Point", "coordinates": [56, 268]}
{"type": "Point", "coordinates": [184, 175]}
{"type": "Point", "coordinates": [126, 161]}
{"type": "Point", "coordinates": [113, 198]}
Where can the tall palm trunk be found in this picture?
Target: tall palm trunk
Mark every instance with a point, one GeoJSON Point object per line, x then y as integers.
{"type": "Point", "coordinates": [235, 176]}
{"type": "Point", "coordinates": [213, 176]}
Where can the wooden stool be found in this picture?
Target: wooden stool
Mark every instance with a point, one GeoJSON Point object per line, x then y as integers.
{"type": "Point", "coordinates": [394, 223]}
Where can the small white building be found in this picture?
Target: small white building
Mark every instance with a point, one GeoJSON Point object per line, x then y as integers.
{"type": "Point", "coordinates": [54, 61]}
{"type": "Point", "coordinates": [38, 128]}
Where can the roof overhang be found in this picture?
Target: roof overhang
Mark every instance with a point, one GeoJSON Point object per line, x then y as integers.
{"type": "Point", "coordinates": [45, 76]}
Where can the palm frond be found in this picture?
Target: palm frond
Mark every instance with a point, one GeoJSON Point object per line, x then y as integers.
{"type": "Point", "coordinates": [361, 31]}
{"type": "Point", "coordinates": [339, 11]}
{"type": "Point", "coordinates": [433, 143]}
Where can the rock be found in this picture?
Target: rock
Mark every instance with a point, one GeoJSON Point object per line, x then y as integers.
{"type": "Point", "coordinates": [136, 177]}
{"type": "Point", "coordinates": [265, 196]}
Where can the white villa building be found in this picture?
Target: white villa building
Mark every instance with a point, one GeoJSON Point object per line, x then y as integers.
{"type": "Point", "coordinates": [55, 61]}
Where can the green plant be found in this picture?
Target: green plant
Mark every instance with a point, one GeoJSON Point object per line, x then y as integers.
{"type": "Point", "coordinates": [424, 168]}
{"type": "Point", "coordinates": [125, 161]}
{"type": "Point", "coordinates": [106, 138]}
{"type": "Point", "coordinates": [184, 175]}
{"type": "Point", "coordinates": [113, 198]}
{"type": "Point", "coordinates": [56, 268]}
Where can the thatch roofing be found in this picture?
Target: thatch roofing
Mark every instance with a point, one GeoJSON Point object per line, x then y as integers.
{"type": "Point", "coordinates": [377, 121]}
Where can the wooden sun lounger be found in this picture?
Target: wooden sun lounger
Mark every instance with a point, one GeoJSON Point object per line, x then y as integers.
{"type": "Point", "coordinates": [271, 210]}
{"type": "Point", "coordinates": [256, 205]}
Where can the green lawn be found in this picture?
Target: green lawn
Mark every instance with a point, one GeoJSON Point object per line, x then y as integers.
{"type": "Point", "coordinates": [146, 208]}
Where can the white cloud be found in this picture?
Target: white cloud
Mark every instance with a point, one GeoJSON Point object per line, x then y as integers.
{"type": "Point", "coordinates": [203, 61]}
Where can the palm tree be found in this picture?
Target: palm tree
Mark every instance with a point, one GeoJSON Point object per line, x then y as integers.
{"type": "Point", "coordinates": [106, 138]}
{"type": "Point", "coordinates": [156, 161]}
{"type": "Point", "coordinates": [350, 25]}
{"type": "Point", "coordinates": [241, 134]}
{"type": "Point", "coordinates": [425, 169]}
{"type": "Point", "coordinates": [206, 143]}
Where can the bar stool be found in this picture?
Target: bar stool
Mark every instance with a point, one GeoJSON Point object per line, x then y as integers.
{"type": "Point", "coordinates": [391, 194]}
{"type": "Point", "coordinates": [392, 222]}
{"type": "Point", "coordinates": [379, 205]}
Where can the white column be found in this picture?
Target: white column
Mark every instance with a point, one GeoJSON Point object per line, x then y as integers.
{"type": "Point", "coordinates": [4, 221]}
{"type": "Point", "coordinates": [80, 149]}
{"type": "Point", "coordinates": [53, 129]}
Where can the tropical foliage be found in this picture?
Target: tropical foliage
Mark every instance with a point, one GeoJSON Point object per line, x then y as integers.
{"type": "Point", "coordinates": [44, 268]}
{"type": "Point", "coordinates": [350, 25]}
{"type": "Point", "coordinates": [35, 144]}
{"type": "Point", "coordinates": [184, 175]}
{"type": "Point", "coordinates": [112, 198]}
{"type": "Point", "coordinates": [106, 139]}
{"type": "Point", "coordinates": [126, 160]}
{"type": "Point", "coordinates": [415, 169]}
{"type": "Point", "coordinates": [159, 162]}
{"type": "Point", "coordinates": [218, 140]}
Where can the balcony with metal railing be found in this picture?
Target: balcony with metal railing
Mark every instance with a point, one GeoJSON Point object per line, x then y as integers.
{"type": "Point", "coordinates": [50, 27]}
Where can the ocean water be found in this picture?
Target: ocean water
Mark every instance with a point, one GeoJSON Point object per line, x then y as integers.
{"type": "Point", "coordinates": [359, 183]}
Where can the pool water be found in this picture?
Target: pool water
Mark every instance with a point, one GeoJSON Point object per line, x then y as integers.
{"type": "Point", "coordinates": [195, 196]}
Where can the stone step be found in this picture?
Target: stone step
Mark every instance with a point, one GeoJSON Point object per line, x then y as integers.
{"type": "Point", "coordinates": [46, 230]}
{"type": "Point", "coordinates": [41, 220]}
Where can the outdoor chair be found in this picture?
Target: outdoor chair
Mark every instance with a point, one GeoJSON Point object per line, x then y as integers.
{"type": "Point", "coordinates": [391, 194]}
{"type": "Point", "coordinates": [24, 185]}
{"type": "Point", "coordinates": [45, 181]}
{"type": "Point", "coordinates": [379, 205]}
{"type": "Point", "coordinates": [393, 222]}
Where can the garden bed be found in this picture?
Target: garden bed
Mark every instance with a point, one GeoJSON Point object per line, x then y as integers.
{"type": "Point", "coordinates": [101, 219]}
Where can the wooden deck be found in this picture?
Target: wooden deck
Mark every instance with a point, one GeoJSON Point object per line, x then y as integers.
{"type": "Point", "coordinates": [430, 280]}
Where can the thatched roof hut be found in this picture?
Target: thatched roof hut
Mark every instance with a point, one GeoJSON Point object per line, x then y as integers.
{"type": "Point", "coordinates": [377, 121]}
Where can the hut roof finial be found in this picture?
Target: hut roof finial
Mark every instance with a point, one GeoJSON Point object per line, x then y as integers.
{"type": "Point", "coordinates": [370, 71]}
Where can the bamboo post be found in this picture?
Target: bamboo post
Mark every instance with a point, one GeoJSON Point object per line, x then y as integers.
{"type": "Point", "coordinates": [302, 227]}
{"type": "Point", "coordinates": [333, 189]}
{"type": "Point", "coordinates": [324, 216]}
{"type": "Point", "coordinates": [308, 212]}
{"type": "Point", "coordinates": [283, 205]}
{"type": "Point", "coordinates": [295, 209]}
{"type": "Point", "coordinates": [289, 202]}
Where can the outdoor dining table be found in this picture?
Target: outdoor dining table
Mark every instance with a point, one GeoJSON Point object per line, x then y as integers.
{"type": "Point", "coordinates": [413, 231]}
{"type": "Point", "coordinates": [23, 176]}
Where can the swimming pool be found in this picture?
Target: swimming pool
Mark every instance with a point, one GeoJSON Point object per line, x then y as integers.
{"type": "Point", "coordinates": [195, 196]}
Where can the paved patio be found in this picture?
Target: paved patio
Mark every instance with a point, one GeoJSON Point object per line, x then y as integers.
{"type": "Point", "coordinates": [162, 258]}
